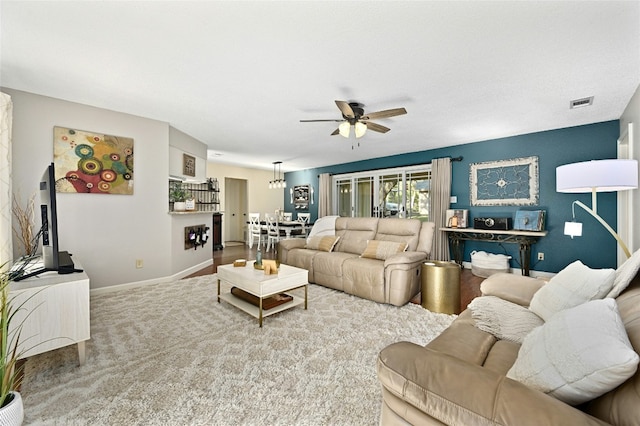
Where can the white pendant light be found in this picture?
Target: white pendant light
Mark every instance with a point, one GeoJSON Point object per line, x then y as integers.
{"type": "Point", "coordinates": [277, 182]}
{"type": "Point", "coordinates": [360, 128]}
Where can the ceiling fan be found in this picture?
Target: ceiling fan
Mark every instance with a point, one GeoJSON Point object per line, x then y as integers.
{"type": "Point", "coordinates": [353, 115]}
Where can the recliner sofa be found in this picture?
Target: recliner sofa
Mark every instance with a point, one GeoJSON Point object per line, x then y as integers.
{"type": "Point", "coordinates": [394, 280]}
{"type": "Point", "coordinates": [460, 377]}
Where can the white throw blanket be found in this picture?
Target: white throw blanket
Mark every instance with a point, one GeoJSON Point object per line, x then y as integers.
{"type": "Point", "coordinates": [503, 319]}
{"type": "Point", "coordinates": [324, 226]}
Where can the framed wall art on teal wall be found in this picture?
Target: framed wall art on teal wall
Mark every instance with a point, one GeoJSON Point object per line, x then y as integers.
{"type": "Point", "coordinates": [504, 183]}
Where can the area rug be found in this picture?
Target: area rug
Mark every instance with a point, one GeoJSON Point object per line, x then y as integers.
{"type": "Point", "coordinates": [171, 354]}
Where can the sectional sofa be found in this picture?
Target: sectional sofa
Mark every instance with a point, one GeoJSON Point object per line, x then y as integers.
{"type": "Point", "coordinates": [576, 366]}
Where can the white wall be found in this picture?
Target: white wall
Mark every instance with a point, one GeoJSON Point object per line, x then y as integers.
{"type": "Point", "coordinates": [631, 114]}
{"type": "Point", "coordinates": [183, 259]}
{"type": "Point", "coordinates": [179, 144]}
{"type": "Point", "coordinates": [107, 233]}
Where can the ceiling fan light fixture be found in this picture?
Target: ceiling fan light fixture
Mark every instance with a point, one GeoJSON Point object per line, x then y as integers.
{"type": "Point", "coordinates": [344, 129]}
{"type": "Point", "coordinates": [353, 115]}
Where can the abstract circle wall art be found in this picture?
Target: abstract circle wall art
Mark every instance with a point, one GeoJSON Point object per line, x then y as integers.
{"type": "Point", "coordinates": [94, 163]}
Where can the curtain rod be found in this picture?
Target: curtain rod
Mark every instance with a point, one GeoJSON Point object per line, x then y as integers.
{"type": "Point", "coordinates": [459, 158]}
{"type": "Point", "coordinates": [452, 159]}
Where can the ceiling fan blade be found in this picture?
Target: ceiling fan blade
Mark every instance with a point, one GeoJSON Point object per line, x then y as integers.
{"type": "Point", "coordinates": [313, 121]}
{"type": "Point", "coordinates": [345, 108]}
{"type": "Point", "coordinates": [384, 114]}
{"type": "Point", "coordinates": [335, 132]}
{"type": "Point", "coordinates": [376, 127]}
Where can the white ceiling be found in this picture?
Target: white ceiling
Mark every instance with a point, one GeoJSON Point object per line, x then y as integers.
{"type": "Point", "coordinates": [240, 75]}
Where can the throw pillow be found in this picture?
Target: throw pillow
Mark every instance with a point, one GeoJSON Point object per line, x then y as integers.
{"type": "Point", "coordinates": [503, 319]}
{"type": "Point", "coordinates": [322, 243]}
{"type": "Point", "coordinates": [574, 285]}
{"type": "Point", "coordinates": [382, 250]}
{"type": "Point", "coordinates": [579, 354]}
{"type": "Point", "coordinates": [624, 274]}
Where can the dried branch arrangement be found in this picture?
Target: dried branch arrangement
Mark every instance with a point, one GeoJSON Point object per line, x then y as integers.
{"type": "Point", "coordinates": [25, 217]}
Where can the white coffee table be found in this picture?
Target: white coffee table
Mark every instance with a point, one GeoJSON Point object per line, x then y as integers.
{"type": "Point", "coordinates": [254, 281]}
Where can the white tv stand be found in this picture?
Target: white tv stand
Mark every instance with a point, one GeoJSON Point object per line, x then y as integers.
{"type": "Point", "coordinates": [55, 312]}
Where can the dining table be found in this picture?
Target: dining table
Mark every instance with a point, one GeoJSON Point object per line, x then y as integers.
{"type": "Point", "coordinates": [288, 226]}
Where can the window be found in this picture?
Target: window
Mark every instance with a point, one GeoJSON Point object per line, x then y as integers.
{"type": "Point", "coordinates": [400, 192]}
{"type": "Point", "coordinates": [417, 189]}
{"type": "Point", "coordinates": [343, 203]}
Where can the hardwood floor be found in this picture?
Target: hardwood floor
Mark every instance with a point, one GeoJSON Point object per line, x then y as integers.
{"type": "Point", "coordinates": [469, 283]}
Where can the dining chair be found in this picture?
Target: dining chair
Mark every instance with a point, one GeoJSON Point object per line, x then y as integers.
{"type": "Point", "coordinates": [273, 232]}
{"type": "Point", "coordinates": [255, 229]}
{"type": "Point", "coordinates": [304, 219]}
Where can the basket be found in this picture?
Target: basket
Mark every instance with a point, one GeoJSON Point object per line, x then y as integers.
{"type": "Point", "coordinates": [485, 264]}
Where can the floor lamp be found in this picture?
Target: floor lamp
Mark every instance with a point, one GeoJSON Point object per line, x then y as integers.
{"type": "Point", "coordinates": [596, 176]}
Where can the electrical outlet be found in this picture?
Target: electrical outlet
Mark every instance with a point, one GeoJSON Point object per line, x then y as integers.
{"type": "Point", "coordinates": [139, 263]}
{"type": "Point", "coordinates": [540, 256]}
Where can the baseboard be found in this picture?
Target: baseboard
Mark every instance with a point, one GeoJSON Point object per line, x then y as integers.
{"type": "Point", "coordinates": [191, 270]}
{"type": "Point", "coordinates": [159, 280]}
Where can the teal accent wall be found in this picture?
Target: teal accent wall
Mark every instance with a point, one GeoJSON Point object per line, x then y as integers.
{"type": "Point", "coordinates": [596, 248]}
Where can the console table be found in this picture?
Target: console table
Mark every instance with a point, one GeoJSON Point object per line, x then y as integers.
{"type": "Point", "coordinates": [525, 239]}
{"type": "Point", "coordinates": [55, 312]}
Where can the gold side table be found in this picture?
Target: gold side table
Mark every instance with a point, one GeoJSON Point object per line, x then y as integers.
{"type": "Point", "coordinates": [441, 287]}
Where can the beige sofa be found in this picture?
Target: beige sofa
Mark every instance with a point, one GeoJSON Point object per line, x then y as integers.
{"type": "Point", "coordinates": [460, 377]}
{"type": "Point", "coordinates": [395, 280]}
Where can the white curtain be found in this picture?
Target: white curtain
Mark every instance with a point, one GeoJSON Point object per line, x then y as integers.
{"type": "Point", "coordinates": [6, 240]}
{"type": "Point", "coordinates": [440, 196]}
{"type": "Point", "coordinates": [324, 195]}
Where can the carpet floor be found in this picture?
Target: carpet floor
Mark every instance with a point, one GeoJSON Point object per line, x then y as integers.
{"type": "Point", "coordinates": [170, 354]}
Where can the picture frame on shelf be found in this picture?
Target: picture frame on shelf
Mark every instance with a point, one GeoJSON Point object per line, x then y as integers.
{"type": "Point", "coordinates": [529, 220]}
{"type": "Point", "coordinates": [461, 218]}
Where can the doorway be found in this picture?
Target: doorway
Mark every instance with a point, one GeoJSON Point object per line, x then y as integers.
{"type": "Point", "coordinates": [625, 198]}
{"type": "Point", "coordinates": [236, 201]}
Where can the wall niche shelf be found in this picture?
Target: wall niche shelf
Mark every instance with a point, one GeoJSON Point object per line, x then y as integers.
{"type": "Point", "coordinates": [206, 196]}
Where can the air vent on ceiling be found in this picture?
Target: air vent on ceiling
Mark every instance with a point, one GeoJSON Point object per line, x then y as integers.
{"type": "Point", "coordinates": [579, 103]}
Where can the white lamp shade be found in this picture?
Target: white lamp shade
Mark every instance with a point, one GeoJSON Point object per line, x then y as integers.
{"type": "Point", "coordinates": [344, 129]}
{"type": "Point", "coordinates": [601, 175]}
{"type": "Point", "coordinates": [360, 129]}
{"type": "Point", "coordinates": [574, 229]}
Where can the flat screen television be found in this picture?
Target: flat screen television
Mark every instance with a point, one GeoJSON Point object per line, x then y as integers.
{"type": "Point", "coordinates": [53, 259]}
